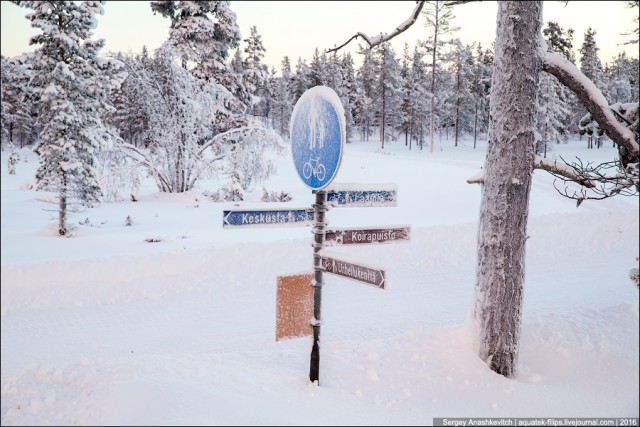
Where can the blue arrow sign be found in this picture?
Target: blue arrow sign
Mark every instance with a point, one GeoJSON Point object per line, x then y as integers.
{"type": "Point", "coordinates": [317, 131]}
{"type": "Point", "coordinates": [267, 218]}
{"type": "Point", "coordinates": [354, 195]}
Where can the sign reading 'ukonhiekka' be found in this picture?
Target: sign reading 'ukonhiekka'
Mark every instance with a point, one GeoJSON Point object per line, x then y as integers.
{"type": "Point", "coordinates": [357, 195]}
{"type": "Point", "coordinates": [367, 236]}
{"type": "Point", "coordinates": [266, 218]}
{"type": "Point", "coordinates": [358, 272]}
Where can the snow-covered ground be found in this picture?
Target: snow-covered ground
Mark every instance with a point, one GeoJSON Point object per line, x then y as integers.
{"type": "Point", "coordinates": [107, 328]}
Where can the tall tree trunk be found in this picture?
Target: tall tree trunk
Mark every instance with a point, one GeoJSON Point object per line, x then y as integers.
{"type": "Point", "coordinates": [433, 79]}
{"type": "Point", "coordinates": [475, 125]}
{"type": "Point", "coordinates": [457, 104]}
{"type": "Point", "coordinates": [504, 210]}
{"type": "Point", "coordinates": [62, 207]}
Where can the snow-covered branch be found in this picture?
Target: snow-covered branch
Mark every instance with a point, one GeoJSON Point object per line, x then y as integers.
{"type": "Point", "coordinates": [562, 169]}
{"type": "Point", "coordinates": [592, 98]}
{"type": "Point", "coordinates": [142, 160]}
{"type": "Point", "coordinates": [375, 41]}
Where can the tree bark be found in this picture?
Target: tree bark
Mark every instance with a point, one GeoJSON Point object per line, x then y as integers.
{"type": "Point", "coordinates": [504, 209]}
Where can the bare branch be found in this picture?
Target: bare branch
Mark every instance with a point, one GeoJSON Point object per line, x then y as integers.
{"type": "Point", "coordinates": [624, 181]}
{"type": "Point", "coordinates": [375, 41]}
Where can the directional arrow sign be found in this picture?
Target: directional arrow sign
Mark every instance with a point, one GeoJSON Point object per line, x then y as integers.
{"type": "Point", "coordinates": [366, 236]}
{"type": "Point", "coordinates": [267, 218]}
{"type": "Point", "coordinates": [358, 195]}
{"type": "Point", "coordinates": [359, 273]}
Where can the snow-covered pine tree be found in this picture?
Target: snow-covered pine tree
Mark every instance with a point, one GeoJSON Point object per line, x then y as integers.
{"type": "Point", "coordinates": [301, 80]}
{"type": "Point", "coordinates": [256, 73]}
{"type": "Point", "coordinates": [348, 94]}
{"type": "Point", "coordinates": [387, 88]}
{"type": "Point", "coordinates": [497, 311]}
{"type": "Point", "coordinates": [318, 69]}
{"type": "Point", "coordinates": [550, 110]}
{"type": "Point", "coordinates": [568, 106]}
{"type": "Point", "coordinates": [203, 33]}
{"type": "Point", "coordinates": [282, 104]}
{"type": "Point", "coordinates": [438, 17]}
{"type": "Point", "coordinates": [365, 80]}
{"type": "Point", "coordinates": [69, 84]}
{"type": "Point", "coordinates": [462, 58]}
{"type": "Point", "coordinates": [622, 78]}
{"type": "Point", "coordinates": [18, 121]}
{"type": "Point", "coordinates": [420, 101]}
{"type": "Point", "coordinates": [480, 85]}
{"type": "Point", "coordinates": [591, 67]}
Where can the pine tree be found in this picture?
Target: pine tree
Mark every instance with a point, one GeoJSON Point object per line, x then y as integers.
{"type": "Point", "coordinates": [553, 115]}
{"type": "Point", "coordinates": [18, 121]}
{"type": "Point", "coordinates": [480, 86]}
{"type": "Point", "coordinates": [438, 17]}
{"type": "Point", "coordinates": [497, 309]}
{"type": "Point", "coordinates": [590, 63]}
{"type": "Point", "coordinates": [559, 40]}
{"type": "Point", "coordinates": [256, 73]}
{"type": "Point", "coordinates": [301, 79]}
{"type": "Point", "coordinates": [462, 97]}
{"type": "Point", "coordinates": [386, 92]}
{"type": "Point", "coordinates": [283, 100]}
{"type": "Point", "coordinates": [203, 33]}
{"type": "Point", "coordinates": [70, 84]}
{"type": "Point", "coordinates": [591, 67]}
{"type": "Point", "coordinates": [348, 94]}
{"type": "Point", "coordinates": [365, 80]}
{"type": "Point", "coordinates": [318, 69]}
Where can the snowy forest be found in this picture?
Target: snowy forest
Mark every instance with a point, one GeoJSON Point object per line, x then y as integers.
{"type": "Point", "coordinates": [205, 105]}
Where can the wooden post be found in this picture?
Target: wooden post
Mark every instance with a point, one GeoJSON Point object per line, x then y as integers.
{"type": "Point", "coordinates": [319, 209]}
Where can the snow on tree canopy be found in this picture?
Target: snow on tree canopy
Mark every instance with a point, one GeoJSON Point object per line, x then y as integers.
{"type": "Point", "coordinates": [317, 136]}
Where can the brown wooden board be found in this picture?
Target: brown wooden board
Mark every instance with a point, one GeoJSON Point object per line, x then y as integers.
{"type": "Point", "coordinates": [294, 306]}
{"type": "Point", "coordinates": [367, 236]}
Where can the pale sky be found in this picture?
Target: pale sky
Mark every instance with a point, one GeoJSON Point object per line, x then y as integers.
{"type": "Point", "coordinates": [297, 28]}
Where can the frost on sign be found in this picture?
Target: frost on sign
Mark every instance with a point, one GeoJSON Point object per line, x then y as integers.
{"type": "Point", "coordinates": [317, 131]}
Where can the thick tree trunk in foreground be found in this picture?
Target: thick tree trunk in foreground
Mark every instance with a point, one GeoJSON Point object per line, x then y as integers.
{"type": "Point", "coordinates": [509, 164]}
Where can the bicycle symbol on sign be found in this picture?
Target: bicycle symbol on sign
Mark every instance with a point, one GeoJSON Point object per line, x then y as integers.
{"type": "Point", "coordinates": [313, 166]}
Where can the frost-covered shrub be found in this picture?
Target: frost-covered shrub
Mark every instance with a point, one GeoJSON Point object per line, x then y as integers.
{"type": "Point", "coordinates": [275, 196]}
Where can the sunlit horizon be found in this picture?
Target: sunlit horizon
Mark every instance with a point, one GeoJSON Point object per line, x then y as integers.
{"type": "Point", "coordinates": [297, 29]}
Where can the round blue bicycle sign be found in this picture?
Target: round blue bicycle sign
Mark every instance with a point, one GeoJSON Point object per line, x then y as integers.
{"type": "Point", "coordinates": [317, 132]}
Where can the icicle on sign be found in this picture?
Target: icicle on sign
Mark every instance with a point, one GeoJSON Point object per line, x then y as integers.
{"type": "Point", "coordinates": [318, 134]}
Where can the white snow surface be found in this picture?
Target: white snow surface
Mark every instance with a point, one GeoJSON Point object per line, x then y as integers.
{"type": "Point", "coordinates": [105, 328]}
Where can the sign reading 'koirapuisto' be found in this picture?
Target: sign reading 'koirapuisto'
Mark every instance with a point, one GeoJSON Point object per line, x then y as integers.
{"type": "Point", "coordinates": [366, 236]}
